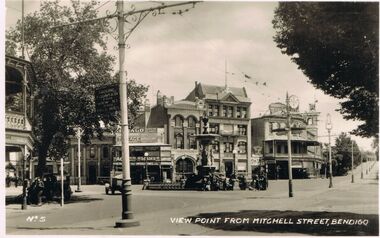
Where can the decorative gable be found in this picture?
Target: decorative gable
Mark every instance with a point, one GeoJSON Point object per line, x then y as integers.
{"type": "Point", "coordinates": [230, 98]}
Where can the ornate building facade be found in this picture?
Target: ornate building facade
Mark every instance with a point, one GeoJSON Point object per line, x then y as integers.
{"type": "Point", "coordinates": [306, 150]}
{"type": "Point", "coordinates": [19, 76]}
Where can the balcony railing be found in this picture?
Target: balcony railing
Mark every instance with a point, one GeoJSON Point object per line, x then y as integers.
{"type": "Point", "coordinates": [16, 121]}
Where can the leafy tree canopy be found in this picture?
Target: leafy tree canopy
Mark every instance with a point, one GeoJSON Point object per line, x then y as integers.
{"type": "Point", "coordinates": [335, 44]}
{"type": "Point", "coordinates": [70, 62]}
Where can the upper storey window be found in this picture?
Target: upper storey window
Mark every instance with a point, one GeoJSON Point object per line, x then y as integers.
{"type": "Point", "coordinates": [178, 121]}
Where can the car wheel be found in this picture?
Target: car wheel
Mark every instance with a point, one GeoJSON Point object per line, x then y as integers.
{"type": "Point", "coordinates": [107, 190]}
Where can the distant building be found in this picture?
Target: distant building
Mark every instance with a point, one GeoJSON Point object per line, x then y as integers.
{"type": "Point", "coordinates": [306, 150]}
{"type": "Point", "coordinates": [180, 121]}
{"type": "Point", "coordinates": [162, 140]}
{"type": "Point", "coordinates": [19, 78]}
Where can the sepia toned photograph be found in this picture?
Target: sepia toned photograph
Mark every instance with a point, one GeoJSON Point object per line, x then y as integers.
{"type": "Point", "coordinates": [190, 118]}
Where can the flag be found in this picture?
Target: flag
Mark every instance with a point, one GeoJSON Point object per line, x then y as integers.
{"type": "Point", "coordinates": [247, 76]}
{"type": "Point", "coordinates": [265, 83]}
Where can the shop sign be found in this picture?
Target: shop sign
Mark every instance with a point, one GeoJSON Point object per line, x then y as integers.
{"type": "Point", "coordinates": [148, 159]}
{"type": "Point", "coordinates": [144, 137]}
{"type": "Point", "coordinates": [107, 99]}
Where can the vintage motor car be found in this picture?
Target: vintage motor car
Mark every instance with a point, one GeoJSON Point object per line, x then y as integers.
{"type": "Point", "coordinates": [115, 184]}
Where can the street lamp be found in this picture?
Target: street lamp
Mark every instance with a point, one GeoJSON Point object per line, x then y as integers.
{"type": "Point", "coordinates": [146, 154]}
{"type": "Point", "coordinates": [361, 167]}
{"type": "Point", "coordinates": [78, 135]}
{"type": "Point", "coordinates": [329, 127]}
{"type": "Point", "coordinates": [24, 204]}
{"type": "Point", "coordinates": [234, 152]}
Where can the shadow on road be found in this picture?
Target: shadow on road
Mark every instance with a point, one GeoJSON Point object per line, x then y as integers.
{"type": "Point", "coordinates": [13, 199]}
{"type": "Point", "coordinates": [304, 222]}
{"type": "Point", "coordinates": [17, 199]}
{"type": "Point", "coordinates": [84, 199]}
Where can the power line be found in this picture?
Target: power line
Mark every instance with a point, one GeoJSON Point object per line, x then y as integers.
{"type": "Point", "coordinates": [102, 5]}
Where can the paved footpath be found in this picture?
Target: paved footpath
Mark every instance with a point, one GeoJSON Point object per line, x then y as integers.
{"type": "Point", "coordinates": [94, 213]}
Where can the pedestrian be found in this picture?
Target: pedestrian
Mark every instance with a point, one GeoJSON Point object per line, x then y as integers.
{"type": "Point", "coordinates": [16, 182]}
{"type": "Point", "coordinates": [39, 190]}
{"type": "Point", "coordinates": [8, 181]}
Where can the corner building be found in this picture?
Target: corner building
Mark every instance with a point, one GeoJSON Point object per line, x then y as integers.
{"type": "Point", "coordinates": [228, 110]}
{"type": "Point", "coordinates": [272, 142]}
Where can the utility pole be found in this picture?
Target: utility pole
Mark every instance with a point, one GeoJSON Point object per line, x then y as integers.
{"type": "Point", "coordinates": [289, 133]}
{"type": "Point", "coordinates": [329, 127]}
{"type": "Point", "coordinates": [78, 134]}
{"type": "Point", "coordinates": [361, 166]}
{"type": "Point", "coordinates": [352, 160]}
{"type": "Point", "coordinates": [127, 219]}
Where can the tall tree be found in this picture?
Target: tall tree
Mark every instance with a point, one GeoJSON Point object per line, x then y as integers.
{"type": "Point", "coordinates": [343, 153]}
{"type": "Point", "coordinates": [70, 62]}
{"type": "Point", "coordinates": [335, 44]}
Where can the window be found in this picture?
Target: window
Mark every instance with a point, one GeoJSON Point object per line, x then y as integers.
{"type": "Point", "coordinates": [215, 147]}
{"type": "Point", "coordinates": [105, 152]}
{"type": "Point", "coordinates": [278, 148]}
{"type": "Point", "coordinates": [229, 112]}
{"type": "Point", "coordinates": [179, 141]}
{"type": "Point", "coordinates": [310, 121]}
{"type": "Point", "coordinates": [192, 122]}
{"type": "Point", "coordinates": [243, 112]}
{"type": "Point", "coordinates": [215, 111]}
{"type": "Point", "coordinates": [242, 129]}
{"type": "Point", "coordinates": [286, 149]}
{"type": "Point", "coordinates": [192, 141]}
{"type": "Point", "coordinates": [242, 147]}
{"type": "Point", "coordinates": [210, 113]}
{"type": "Point", "coordinates": [228, 147]}
{"type": "Point", "coordinates": [225, 111]}
{"type": "Point", "coordinates": [270, 149]}
{"type": "Point", "coordinates": [184, 166]}
{"type": "Point", "coordinates": [238, 112]}
{"type": "Point", "coordinates": [214, 128]}
{"type": "Point", "coordinates": [178, 121]}
{"type": "Point", "coordinates": [92, 152]}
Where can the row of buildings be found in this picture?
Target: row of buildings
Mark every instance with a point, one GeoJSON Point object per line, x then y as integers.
{"type": "Point", "coordinates": [162, 142]}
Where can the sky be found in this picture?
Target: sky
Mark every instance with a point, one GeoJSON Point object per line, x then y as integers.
{"type": "Point", "coordinates": [170, 52]}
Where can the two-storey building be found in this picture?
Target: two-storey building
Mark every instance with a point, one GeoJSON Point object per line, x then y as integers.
{"type": "Point", "coordinates": [268, 138]}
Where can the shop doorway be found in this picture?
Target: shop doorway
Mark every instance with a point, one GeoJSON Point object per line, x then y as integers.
{"type": "Point", "coordinates": [184, 167]}
{"type": "Point", "coordinates": [92, 174]}
{"type": "Point", "coordinates": [228, 168]}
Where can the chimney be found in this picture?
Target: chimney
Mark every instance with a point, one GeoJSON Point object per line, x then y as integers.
{"type": "Point", "coordinates": [159, 98]}
{"type": "Point", "coordinates": [147, 105]}
{"type": "Point", "coordinates": [147, 112]}
{"type": "Point", "coordinates": [172, 99]}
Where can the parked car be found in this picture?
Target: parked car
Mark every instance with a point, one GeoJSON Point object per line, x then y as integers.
{"type": "Point", "coordinates": [115, 184]}
{"type": "Point", "coordinates": [49, 188]}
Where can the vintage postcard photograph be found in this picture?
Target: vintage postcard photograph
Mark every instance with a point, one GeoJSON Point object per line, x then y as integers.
{"type": "Point", "coordinates": [190, 118]}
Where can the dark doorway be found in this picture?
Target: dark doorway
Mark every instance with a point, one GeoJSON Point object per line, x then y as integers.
{"type": "Point", "coordinates": [184, 167]}
{"type": "Point", "coordinates": [229, 168]}
{"type": "Point", "coordinates": [92, 174]}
